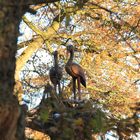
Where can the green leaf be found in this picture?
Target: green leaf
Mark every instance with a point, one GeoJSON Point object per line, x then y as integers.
{"type": "Point", "coordinates": [44, 115]}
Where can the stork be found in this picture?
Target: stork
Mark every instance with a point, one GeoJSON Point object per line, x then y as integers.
{"type": "Point", "coordinates": [75, 71]}
{"type": "Point", "coordinates": [56, 73]}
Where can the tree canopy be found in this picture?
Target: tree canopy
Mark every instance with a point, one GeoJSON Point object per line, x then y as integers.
{"type": "Point", "coordinates": [106, 37]}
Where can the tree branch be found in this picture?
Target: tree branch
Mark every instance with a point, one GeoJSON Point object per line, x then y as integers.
{"type": "Point", "coordinates": [24, 3]}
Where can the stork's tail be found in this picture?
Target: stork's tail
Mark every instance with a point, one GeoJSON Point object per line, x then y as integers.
{"type": "Point", "coordinates": [83, 81]}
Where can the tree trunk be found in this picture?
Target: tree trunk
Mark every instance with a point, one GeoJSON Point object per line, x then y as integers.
{"type": "Point", "coordinates": [10, 112]}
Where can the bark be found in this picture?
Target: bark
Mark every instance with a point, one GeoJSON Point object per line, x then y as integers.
{"type": "Point", "coordinates": [32, 2]}
{"type": "Point", "coordinates": [9, 115]}
{"type": "Point", "coordinates": [9, 20]}
{"type": "Point", "coordinates": [25, 4]}
{"type": "Point", "coordinates": [10, 111]}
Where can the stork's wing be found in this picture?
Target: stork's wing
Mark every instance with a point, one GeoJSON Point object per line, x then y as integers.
{"type": "Point", "coordinates": [77, 70]}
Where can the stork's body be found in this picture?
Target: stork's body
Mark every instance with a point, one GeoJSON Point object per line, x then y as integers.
{"type": "Point", "coordinates": [76, 72]}
{"type": "Point", "coordinates": [56, 73]}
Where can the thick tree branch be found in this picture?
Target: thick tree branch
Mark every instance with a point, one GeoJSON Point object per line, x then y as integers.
{"type": "Point", "coordinates": [27, 3]}
{"type": "Point", "coordinates": [35, 2]}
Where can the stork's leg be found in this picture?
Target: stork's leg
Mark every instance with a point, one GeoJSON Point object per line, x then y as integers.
{"type": "Point", "coordinates": [55, 89]}
{"type": "Point", "coordinates": [74, 87]}
{"type": "Point", "coordinates": [79, 88]}
{"type": "Point", "coordinates": [59, 90]}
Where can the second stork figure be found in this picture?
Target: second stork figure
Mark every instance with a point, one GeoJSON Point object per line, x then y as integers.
{"type": "Point", "coordinates": [56, 74]}
{"type": "Point", "coordinates": [75, 71]}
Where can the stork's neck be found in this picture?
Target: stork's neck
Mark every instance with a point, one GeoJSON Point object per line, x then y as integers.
{"type": "Point", "coordinates": [71, 57]}
{"type": "Point", "coordinates": [55, 61]}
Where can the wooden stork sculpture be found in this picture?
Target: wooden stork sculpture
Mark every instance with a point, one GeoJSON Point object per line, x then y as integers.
{"type": "Point", "coordinates": [75, 71]}
{"type": "Point", "coordinates": [56, 74]}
